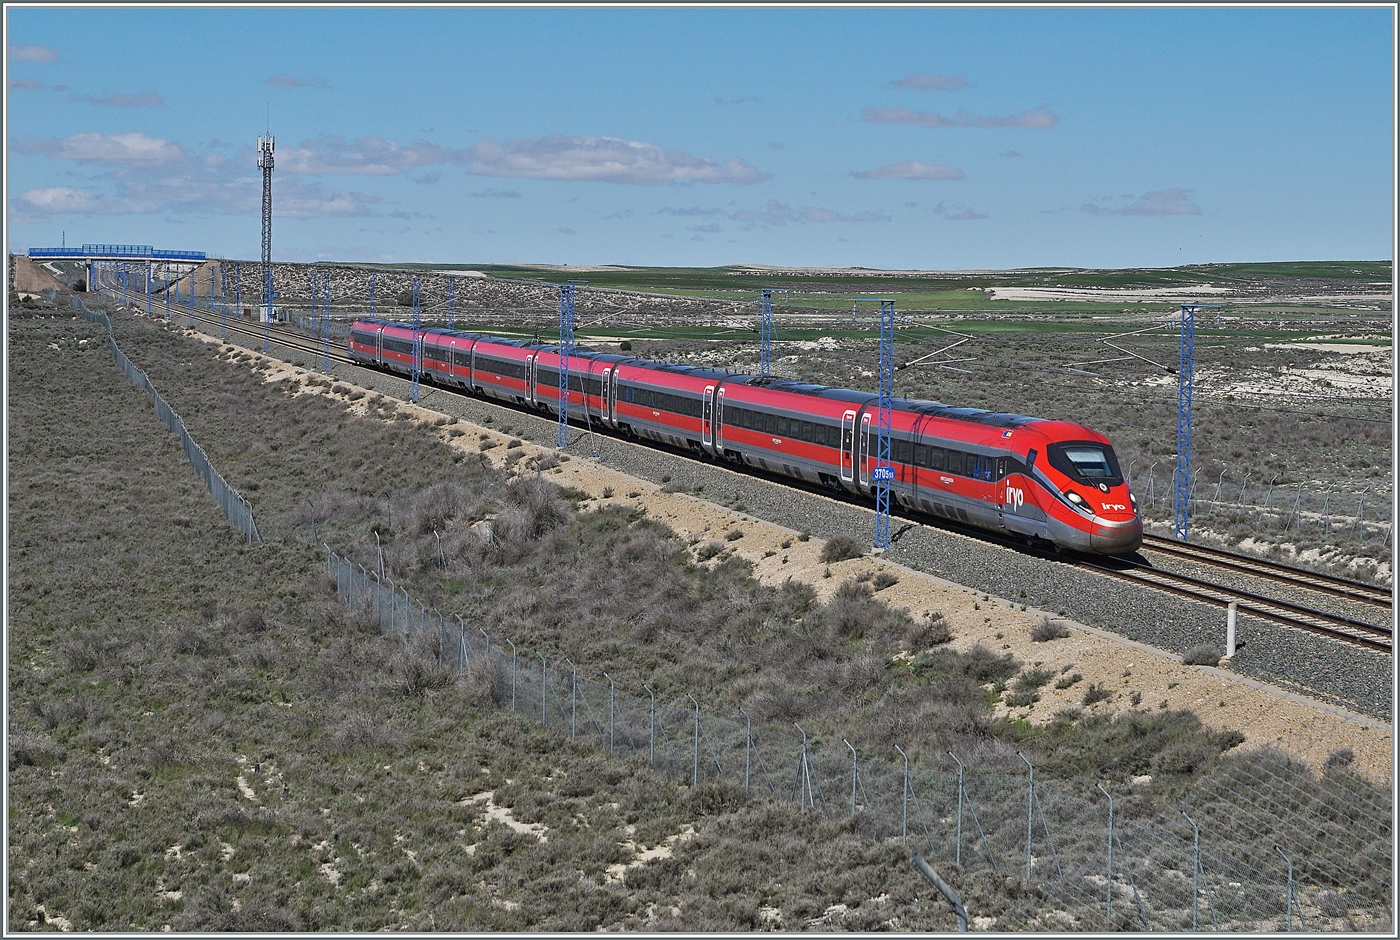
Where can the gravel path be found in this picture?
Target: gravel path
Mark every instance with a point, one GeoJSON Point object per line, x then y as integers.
{"type": "Point", "coordinates": [1354, 678]}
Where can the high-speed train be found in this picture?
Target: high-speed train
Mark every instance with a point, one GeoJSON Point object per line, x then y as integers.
{"type": "Point", "coordinates": [1054, 481]}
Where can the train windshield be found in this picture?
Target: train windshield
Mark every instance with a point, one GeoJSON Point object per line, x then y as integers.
{"type": "Point", "coordinates": [1087, 462]}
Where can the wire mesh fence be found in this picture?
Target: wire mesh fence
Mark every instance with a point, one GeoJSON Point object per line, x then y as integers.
{"type": "Point", "coordinates": [1293, 507]}
{"type": "Point", "coordinates": [1260, 844]}
{"type": "Point", "coordinates": [235, 508]}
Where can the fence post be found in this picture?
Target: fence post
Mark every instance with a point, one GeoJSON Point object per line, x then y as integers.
{"type": "Point", "coordinates": [802, 772]}
{"type": "Point", "coordinates": [514, 657]}
{"type": "Point", "coordinates": [488, 641]}
{"type": "Point", "coordinates": [1231, 613]}
{"type": "Point", "coordinates": [573, 700]}
{"type": "Point", "coordinates": [1195, 870]}
{"type": "Point", "coordinates": [1030, 812]}
{"type": "Point", "coordinates": [904, 829]}
{"type": "Point", "coordinates": [1109, 902]}
{"type": "Point", "coordinates": [695, 766]}
{"type": "Point", "coordinates": [748, 748]}
{"type": "Point", "coordinates": [1288, 903]}
{"type": "Point", "coordinates": [462, 642]}
{"type": "Point", "coordinates": [651, 727]}
{"type": "Point", "coordinates": [854, 769]}
{"type": "Point", "coordinates": [612, 710]}
{"type": "Point", "coordinates": [544, 687]}
{"type": "Point", "coordinates": [1240, 502]}
{"type": "Point", "coordinates": [960, 806]}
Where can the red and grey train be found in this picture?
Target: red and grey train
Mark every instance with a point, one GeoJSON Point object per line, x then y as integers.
{"type": "Point", "coordinates": [1054, 481]}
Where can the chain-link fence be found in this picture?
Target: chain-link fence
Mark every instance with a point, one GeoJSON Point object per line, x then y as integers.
{"type": "Point", "coordinates": [1260, 844]}
{"type": "Point", "coordinates": [1293, 507]}
{"type": "Point", "coordinates": [234, 507]}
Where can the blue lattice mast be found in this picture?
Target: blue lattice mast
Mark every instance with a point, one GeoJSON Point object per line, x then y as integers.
{"type": "Point", "coordinates": [882, 473]}
{"type": "Point", "coordinates": [325, 323]}
{"type": "Point", "coordinates": [417, 339]}
{"type": "Point", "coordinates": [168, 285]}
{"type": "Point", "coordinates": [566, 349]}
{"type": "Point", "coordinates": [265, 162]}
{"type": "Point", "coordinates": [223, 302]}
{"type": "Point", "coordinates": [451, 302]}
{"type": "Point", "coordinates": [238, 286]}
{"type": "Point", "coordinates": [149, 273]}
{"type": "Point", "coordinates": [371, 295]}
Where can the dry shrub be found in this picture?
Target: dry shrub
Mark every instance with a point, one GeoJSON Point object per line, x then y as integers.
{"type": "Point", "coordinates": [414, 670]}
{"type": "Point", "coordinates": [931, 630]}
{"type": "Point", "coordinates": [250, 621]}
{"type": "Point", "coordinates": [32, 750]}
{"type": "Point", "coordinates": [1202, 654]}
{"type": "Point", "coordinates": [842, 547]}
{"type": "Point", "coordinates": [1047, 629]}
{"type": "Point", "coordinates": [481, 683]}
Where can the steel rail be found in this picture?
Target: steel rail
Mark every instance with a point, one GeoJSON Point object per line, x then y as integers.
{"type": "Point", "coordinates": [1272, 570]}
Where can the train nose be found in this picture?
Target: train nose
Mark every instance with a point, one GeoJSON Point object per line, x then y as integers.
{"type": "Point", "coordinates": [1116, 538]}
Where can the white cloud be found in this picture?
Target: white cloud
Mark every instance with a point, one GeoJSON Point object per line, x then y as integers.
{"type": "Point", "coordinates": [1009, 154]}
{"type": "Point", "coordinates": [923, 80]}
{"type": "Point", "coordinates": [32, 54]}
{"type": "Point", "coordinates": [911, 170]}
{"type": "Point", "coordinates": [776, 213]}
{"type": "Point", "coordinates": [497, 194]}
{"type": "Point", "coordinates": [25, 84]}
{"type": "Point", "coordinates": [147, 99]}
{"type": "Point", "coordinates": [107, 149]}
{"type": "Point", "coordinates": [1154, 203]}
{"type": "Point", "coordinates": [1038, 117]}
{"type": "Point", "coordinates": [603, 160]}
{"type": "Point", "coordinates": [290, 81]}
{"type": "Point", "coordinates": [64, 200]}
{"type": "Point", "coordinates": [368, 156]}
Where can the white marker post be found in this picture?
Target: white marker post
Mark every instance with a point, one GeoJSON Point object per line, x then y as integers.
{"type": "Point", "coordinates": [1231, 613]}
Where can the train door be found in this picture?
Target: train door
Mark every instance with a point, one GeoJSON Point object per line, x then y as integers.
{"type": "Point", "coordinates": [719, 421]}
{"type": "Point", "coordinates": [603, 395]}
{"type": "Point", "coordinates": [707, 415]}
{"type": "Point", "coordinates": [612, 399]}
{"type": "Point", "coordinates": [864, 445]}
{"type": "Point", "coordinates": [379, 346]}
{"type": "Point", "coordinates": [532, 373]}
{"type": "Point", "coordinates": [848, 445]}
{"type": "Point", "coordinates": [452, 359]}
{"type": "Point", "coordinates": [471, 373]}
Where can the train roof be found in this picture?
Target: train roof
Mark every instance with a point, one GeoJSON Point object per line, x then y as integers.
{"type": "Point", "coordinates": [936, 409]}
{"type": "Point", "coordinates": [695, 372]}
{"type": "Point", "coordinates": [806, 388]}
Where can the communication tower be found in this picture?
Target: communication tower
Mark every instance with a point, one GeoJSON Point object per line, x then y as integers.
{"type": "Point", "coordinates": [1185, 380]}
{"type": "Point", "coordinates": [265, 161]}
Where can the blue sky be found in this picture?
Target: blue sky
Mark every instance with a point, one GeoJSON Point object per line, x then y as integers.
{"type": "Point", "coordinates": [892, 138]}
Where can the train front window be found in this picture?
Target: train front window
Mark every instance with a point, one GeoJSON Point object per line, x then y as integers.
{"type": "Point", "coordinates": [1087, 462]}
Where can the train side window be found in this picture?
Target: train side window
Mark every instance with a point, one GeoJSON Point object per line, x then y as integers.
{"type": "Point", "coordinates": [955, 462]}
{"type": "Point", "coordinates": [902, 451]}
{"type": "Point", "coordinates": [921, 455]}
{"type": "Point", "coordinates": [782, 426]}
{"type": "Point", "coordinates": [937, 458]}
{"type": "Point", "coordinates": [770, 423]}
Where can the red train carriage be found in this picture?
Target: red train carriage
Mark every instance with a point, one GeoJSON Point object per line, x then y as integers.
{"type": "Point", "coordinates": [1051, 480]}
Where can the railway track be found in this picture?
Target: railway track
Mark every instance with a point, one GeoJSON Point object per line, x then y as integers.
{"type": "Point", "coordinates": [1370, 635]}
{"type": "Point", "coordinates": [1300, 578]}
{"type": "Point", "coordinates": [1346, 629]}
